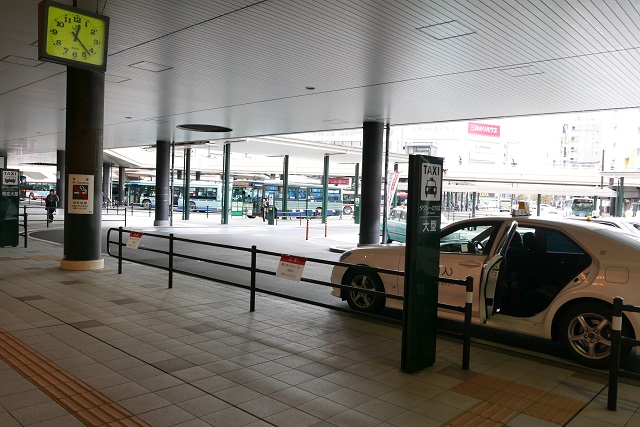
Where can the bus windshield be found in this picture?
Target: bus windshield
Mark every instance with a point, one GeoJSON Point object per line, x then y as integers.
{"type": "Point", "coordinates": [582, 206]}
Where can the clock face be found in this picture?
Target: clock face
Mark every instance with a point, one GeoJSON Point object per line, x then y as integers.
{"type": "Point", "coordinates": [75, 37]}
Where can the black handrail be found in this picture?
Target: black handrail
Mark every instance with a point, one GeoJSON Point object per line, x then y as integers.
{"type": "Point", "coordinates": [253, 269]}
{"type": "Point", "coordinates": [618, 340]}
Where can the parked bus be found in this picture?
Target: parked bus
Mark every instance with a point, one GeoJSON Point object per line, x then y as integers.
{"type": "Point", "coordinates": [35, 190]}
{"type": "Point", "coordinates": [504, 205]}
{"type": "Point", "coordinates": [348, 200]}
{"type": "Point", "coordinates": [303, 199]}
{"type": "Point", "coordinates": [203, 195]}
{"type": "Point", "coordinates": [582, 206]}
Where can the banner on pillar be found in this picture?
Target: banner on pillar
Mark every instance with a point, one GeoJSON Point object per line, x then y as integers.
{"type": "Point", "coordinates": [80, 199]}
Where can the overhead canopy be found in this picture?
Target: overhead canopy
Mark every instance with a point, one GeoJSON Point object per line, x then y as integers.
{"type": "Point", "coordinates": [543, 189]}
{"type": "Point", "coordinates": [291, 66]}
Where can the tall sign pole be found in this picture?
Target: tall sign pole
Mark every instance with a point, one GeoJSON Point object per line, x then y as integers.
{"type": "Point", "coordinates": [422, 259]}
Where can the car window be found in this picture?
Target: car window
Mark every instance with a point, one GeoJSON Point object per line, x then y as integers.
{"type": "Point", "coordinates": [462, 238]}
{"type": "Point", "coordinates": [559, 243]}
{"type": "Point", "coordinates": [403, 216]}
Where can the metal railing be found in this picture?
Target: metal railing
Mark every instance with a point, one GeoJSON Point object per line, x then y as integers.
{"type": "Point", "coordinates": [253, 252]}
{"type": "Point", "coordinates": [617, 340]}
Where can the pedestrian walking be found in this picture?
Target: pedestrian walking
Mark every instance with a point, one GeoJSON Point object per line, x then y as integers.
{"type": "Point", "coordinates": [51, 203]}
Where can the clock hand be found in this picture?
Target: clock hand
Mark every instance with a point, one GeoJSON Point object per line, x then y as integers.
{"type": "Point", "coordinates": [75, 35]}
{"type": "Point", "coordinates": [77, 39]}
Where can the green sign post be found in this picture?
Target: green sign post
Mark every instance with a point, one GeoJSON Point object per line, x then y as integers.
{"type": "Point", "coordinates": [422, 259]}
{"type": "Point", "coordinates": [9, 206]}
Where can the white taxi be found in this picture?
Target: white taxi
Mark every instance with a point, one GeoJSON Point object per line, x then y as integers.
{"type": "Point", "coordinates": [555, 279]}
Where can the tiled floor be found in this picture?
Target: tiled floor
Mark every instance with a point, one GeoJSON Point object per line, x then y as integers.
{"type": "Point", "coordinates": [98, 348]}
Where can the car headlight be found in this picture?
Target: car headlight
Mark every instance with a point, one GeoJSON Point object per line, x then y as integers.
{"type": "Point", "coordinates": [344, 256]}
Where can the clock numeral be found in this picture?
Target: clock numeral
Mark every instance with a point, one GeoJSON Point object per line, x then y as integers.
{"type": "Point", "coordinates": [66, 49]}
{"type": "Point", "coordinates": [74, 54]}
{"type": "Point", "coordinates": [91, 51]}
{"type": "Point", "coordinates": [57, 42]}
{"type": "Point", "coordinates": [96, 42]}
{"type": "Point", "coordinates": [77, 19]}
{"type": "Point", "coordinates": [84, 55]}
{"type": "Point", "coordinates": [67, 19]}
{"type": "Point", "coordinates": [53, 31]}
{"type": "Point", "coordinates": [93, 31]}
{"type": "Point", "coordinates": [60, 24]}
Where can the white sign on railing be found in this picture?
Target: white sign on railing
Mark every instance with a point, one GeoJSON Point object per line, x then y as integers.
{"type": "Point", "coordinates": [291, 267]}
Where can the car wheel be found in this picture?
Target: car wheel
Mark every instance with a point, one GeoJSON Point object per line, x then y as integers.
{"type": "Point", "coordinates": [192, 206]}
{"type": "Point", "coordinates": [146, 204]}
{"type": "Point", "coordinates": [362, 301]}
{"type": "Point", "coordinates": [585, 334]}
{"type": "Point", "coordinates": [348, 210]}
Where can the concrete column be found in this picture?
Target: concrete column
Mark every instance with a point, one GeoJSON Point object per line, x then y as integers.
{"type": "Point", "coordinates": [83, 159]}
{"type": "Point", "coordinates": [187, 184]}
{"type": "Point", "coordinates": [226, 185]}
{"type": "Point", "coordinates": [162, 183]}
{"type": "Point", "coordinates": [285, 184]}
{"type": "Point", "coordinates": [371, 183]}
{"type": "Point", "coordinates": [325, 188]}
{"type": "Point", "coordinates": [198, 175]}
{"type": "Point", "coordinates": [122, 177]}
{"type": "Point", "coordinates": [60, 174]}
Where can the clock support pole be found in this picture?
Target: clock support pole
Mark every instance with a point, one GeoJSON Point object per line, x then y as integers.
{"type": "Point", "coordinates": [83, 175]}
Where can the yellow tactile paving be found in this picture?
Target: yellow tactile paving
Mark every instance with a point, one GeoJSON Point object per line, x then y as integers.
{"type": "Point", "coordinates": [503, 400]}
{"type": "Point", "coordinates": [88, 405]}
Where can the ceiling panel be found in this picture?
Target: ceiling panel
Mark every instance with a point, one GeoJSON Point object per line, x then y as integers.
{"type": "Point", "coordinates": [246, 64]}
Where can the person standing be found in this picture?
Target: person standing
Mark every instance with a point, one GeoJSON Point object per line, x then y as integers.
{"type": "Point", "coordinates": [51, 203]}
{"type": "Point", "coordinates": [265, 208]}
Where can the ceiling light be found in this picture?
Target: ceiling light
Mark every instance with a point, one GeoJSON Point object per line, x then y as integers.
{"type": "Point", "coordinates": [446, 30]}
{"type": "Point", "coordinates": [115, 79]}
{"type": "Point", "coordinates": [520, 71]}
{"type": "Point", "coordinates": [150, 66]}
{"type": "Point", "coordinates": [21, 61]}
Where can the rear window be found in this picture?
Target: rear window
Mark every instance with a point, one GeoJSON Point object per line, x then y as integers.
{"type": "Point", "coordinates": [559, 243]}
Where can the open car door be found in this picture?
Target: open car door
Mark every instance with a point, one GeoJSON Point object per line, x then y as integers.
{"type": "Point", "coordinates": [491, 276]}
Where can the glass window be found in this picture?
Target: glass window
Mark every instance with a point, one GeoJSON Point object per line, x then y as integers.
{"type": "Point", "coordinates": [464, 238]}
{"type": "Point", "coordinates": [559, 243]}
{"type": "Point", "coordinates": [333, 195]}
{"type": "Point", "coordinates": [302, 194]}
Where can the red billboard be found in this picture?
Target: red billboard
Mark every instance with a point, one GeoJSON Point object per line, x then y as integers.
{"type": "Point", "coordinates": [339, 181]}
{"type": "Point", "coordinates": [484, 129]}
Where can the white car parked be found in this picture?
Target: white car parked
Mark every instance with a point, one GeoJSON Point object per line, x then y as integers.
{"type": "Point", "coordinates": [547, 278]}
{"type": "Point", "coordinates": [630, 226]}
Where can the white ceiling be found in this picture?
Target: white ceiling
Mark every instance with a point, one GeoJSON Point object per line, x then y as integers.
{"type": "Point", "coordinates": [244, 64]}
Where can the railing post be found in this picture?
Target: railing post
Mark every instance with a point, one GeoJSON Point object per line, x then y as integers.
{"type": "Point", "coordinates": [252, 303]}
{"type": "Point", "coordinates": [119, 250]}
{"type": "Point", "coordinates": [25, 226]}
{"type": "Point", "coordinates": [307, 237]}
{"type": "Point", "coordinates": [170, 260]}
{"type": "Point", "coordinates": [125, 216]}
{"type": "Point", "coordinates": [466, 334]}
{"type": "Point", "coordinates": [325, 228]}
{"type": "Point", "coordinates": [614, 367]}
{"type": "Point", "coordinates": [207, 211]}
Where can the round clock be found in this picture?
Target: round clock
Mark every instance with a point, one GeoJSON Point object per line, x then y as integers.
{"type": "Point", "coordinates": [72, 36]}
